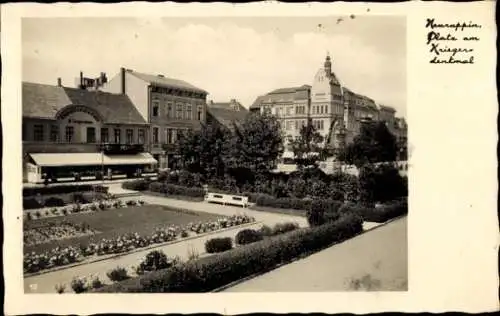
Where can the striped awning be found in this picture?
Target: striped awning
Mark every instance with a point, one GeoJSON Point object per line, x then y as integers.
{"type": "Point", "coordinates": [90, 159]}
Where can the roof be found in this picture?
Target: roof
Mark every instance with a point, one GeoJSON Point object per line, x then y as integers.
{"type": "Point", "coordinates": [165, 81]}
{"type": "Point", "coordinates": [227, 116]}
{"type": "Point", "coordinates": [290, 90]}
{"type": "Point", "coordinates": [89, 159]}
{"type": "Point", "coordinates": [387, 108]}
{"type": "Point", "coordinates": [256, 104]}
{"type": "Point", "coordinates": [45, 101]}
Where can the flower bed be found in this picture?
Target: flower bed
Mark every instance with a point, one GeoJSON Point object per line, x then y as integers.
{"type": "Point", "coordinates": [212, 272]}
{"type": "Point", "coordinates": [102, 205]}
{"type": "Point", "coordinates": [55, 231]}
{"type": "Point", "coordinates": [34, 262]}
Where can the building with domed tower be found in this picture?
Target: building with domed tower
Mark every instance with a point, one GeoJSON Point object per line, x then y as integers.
{"type": "Point", "coordinates": [336, 111]}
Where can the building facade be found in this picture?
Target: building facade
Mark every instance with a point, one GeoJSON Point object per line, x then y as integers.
{"type": "Point", "coordinates": [67, 130]}
{"type": "Point", "coordinates": [336, 111]}
{"type": "Point", "coordinates": [170, 106]}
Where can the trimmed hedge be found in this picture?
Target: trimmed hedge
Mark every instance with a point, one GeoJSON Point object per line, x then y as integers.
{"type": "Point", "coordinates": [248, 236]}
{"type": "Point", "coordinates": [218, 244]}
{"type": "Point", "coordinates": [136, 185]}
{"type": "Point", "coordinates": [172, 189]}
{"type": "Point", "coordinates": [377, 214]}
{"type": "Point", "coordinates": [286, 203]}
{"type": "Point", "coordinates": [31, 203]}
{"type": "Point", "coordinates": [54, 201]}
{"type": "Point", "coordinates": [212, 272]}
{"type": "Point", "coordinates": [59, 189]}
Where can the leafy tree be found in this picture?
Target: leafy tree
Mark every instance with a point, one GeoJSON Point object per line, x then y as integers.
{"type": "Point", "coordinates": [374, 143]}
{"type": "Point", "coordinates": [307, 145]}
{"type": "Point", "coordinates": [203, 151]}
{"type": "Point", "coordinates": [381, 183]}
{"type": "Point", "coordinates": [256, 144]}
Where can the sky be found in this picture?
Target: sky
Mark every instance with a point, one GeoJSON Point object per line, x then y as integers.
{"type": "Point", "coordinates": [230, 57]}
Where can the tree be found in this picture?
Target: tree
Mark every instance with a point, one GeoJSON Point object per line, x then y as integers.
{"type": "Point", "coordinates": [374, 143]}
{"type": "Point", "coordinates": [381, 183]}
{"type": "Point", "coordinates": [307, 145]}
{"type": "Point", "coordinates": [256, 144]}
{"type": "Point", "coordinates": [203, 151]}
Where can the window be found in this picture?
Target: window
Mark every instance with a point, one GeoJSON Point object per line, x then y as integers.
{"type": "Point", "coordinates": [25, 135]}
{"type": "Point", "coordinates": [130, 136]}
{"type": "Point", "coordinates": [38, 132]}
{"type": "Point", "coordinates": [156, 106]}
{"type": "Point", "coordinates": [170, 110]}
{"type": "Point", "coordinates": [200, 113]}
{"type": "Point", "coordinates": [155, 135]}
{"type": "Point", "coordinates": [296, 125]}
{"type": "Point", "coordinates": [69, 134]}
{"type": "Point", "coordinates": [117, 136]}
{"type": "Point", "coordinates": [170, 136]}
{"type": "Point", "coordinates": [179, 112]}
{"type": "Point", "coordinates": [141, 136]}
{"type": "Point", "coordinates": [288, 125]}
{"type": "Point", "coordinates": [189, 114]}
{"type": "Point", "coordinates": [90, 134]}
{"type": "Point", "coordinates": [54, 133]}
{"type": "Point", "coordinates": [104, 135]}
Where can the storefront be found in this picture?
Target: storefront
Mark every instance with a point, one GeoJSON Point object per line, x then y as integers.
{"type": "Point", "coordinates": [85, 166]}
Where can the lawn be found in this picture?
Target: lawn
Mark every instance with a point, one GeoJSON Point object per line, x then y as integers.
{"type": "Point", "coordinates": [112, 223]}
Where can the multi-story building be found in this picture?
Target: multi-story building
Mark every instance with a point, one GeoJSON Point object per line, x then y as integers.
{"type": "Point", "coordinates": [68, 131]}
{"type": "Point", "coordinates": [227, 114]}
{"type": "Point", "coordinates": [170, 106]}
{"type": "Point", "coordinates": [336, 111]}
{"type": "Point", "coordinates": [290, 105]}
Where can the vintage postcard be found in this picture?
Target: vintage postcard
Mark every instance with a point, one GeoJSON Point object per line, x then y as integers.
{"type": "Point", "coordinates": [262, 157]}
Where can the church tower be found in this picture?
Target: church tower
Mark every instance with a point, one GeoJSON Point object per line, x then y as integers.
{"type": "Point", "coordinates": [328, 65]}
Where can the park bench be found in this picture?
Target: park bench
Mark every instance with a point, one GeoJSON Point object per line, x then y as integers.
{"type": "Point", "coordinates": [226, 199]}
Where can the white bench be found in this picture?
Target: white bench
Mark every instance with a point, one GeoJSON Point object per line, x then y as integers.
{"type": "Point", "coordinates": [226, 199]}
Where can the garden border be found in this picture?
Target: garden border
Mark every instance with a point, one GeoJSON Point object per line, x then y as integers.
{"type": "Point", "coordinates": [224, 287]}
{"type": "Point", "coordinates": [113, 256]}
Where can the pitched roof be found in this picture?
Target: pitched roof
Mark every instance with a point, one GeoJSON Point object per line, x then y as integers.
{"type": "Point", "coordinates": [256, 104]}
{"type": "Point", "coordinates": [44, 101]}
{"type": "Point", "coordinates": [387, 108]}
{"type": "Point", "coordinates": [226, 115]}
{"type": "Point", "coordinates": [164, 81]}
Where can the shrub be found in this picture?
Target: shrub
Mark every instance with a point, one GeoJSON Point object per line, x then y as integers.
{"type": "Point", "coordinates": [131, 203]}
{"type": "Point", "coordinates": [218, 244]}
{"type": "Point", "coordinates": [322, 211]}
{"type": "Point", "coordinates": [282, 228]}
{"type": "Point", "coordinates": [96, 283]}
{"type": "Point", "coordinates": [60, 288]}
{"type": "Point", "coordinates": [266, 231]}
{"type": "Point", "coordinates": [184, 234]}
{"type": "Point", "coordinates": [38, 214]}
{"type": "Point", "coordinates": [286, 203]}
{"type": "Point", "coordinates": [248, 236]}
{"type": "Point", "coordinates": [211, 272]}
{"type": "Point", "coordinates": [65, 211]}
{"type": "Point", "coordinates": [118, 274]}
{"type": "Point", "coordinates": [377, 215]}
{"type": "Point", "coordinates": [381, 183]}
{"type": "Point", "coordinates": [172, 189]}
{"type": "Point", "coordinates": [79, 285]}
{"type": "Point", "coordinates": [192, 254]}
{"type": "Point", "coordinates": [54, 201]}
{"type": "Point", "coordinates": [29, 216]}
{"type": "Point", "coordinates": [29, 204]}
{"type": "Point", "coordinates": [155, 260]}
{"type": "Point", "coordinates": [79, 198]}
{"type": "Point", "coordinates": [136, 185]}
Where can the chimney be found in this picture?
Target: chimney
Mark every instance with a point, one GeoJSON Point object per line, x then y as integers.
{"type": "Point", "coordinates": [122, 74]}
{"type": "Point", "coordinates": [104, 79]}
{"type": "Point", "coordinates": [81, 80]}
{"type": "Point", "coordinates": [59, 82]}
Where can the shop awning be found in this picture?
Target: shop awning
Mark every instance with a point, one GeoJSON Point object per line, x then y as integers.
{"type": "Point", "coordinates": [90, 159]}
